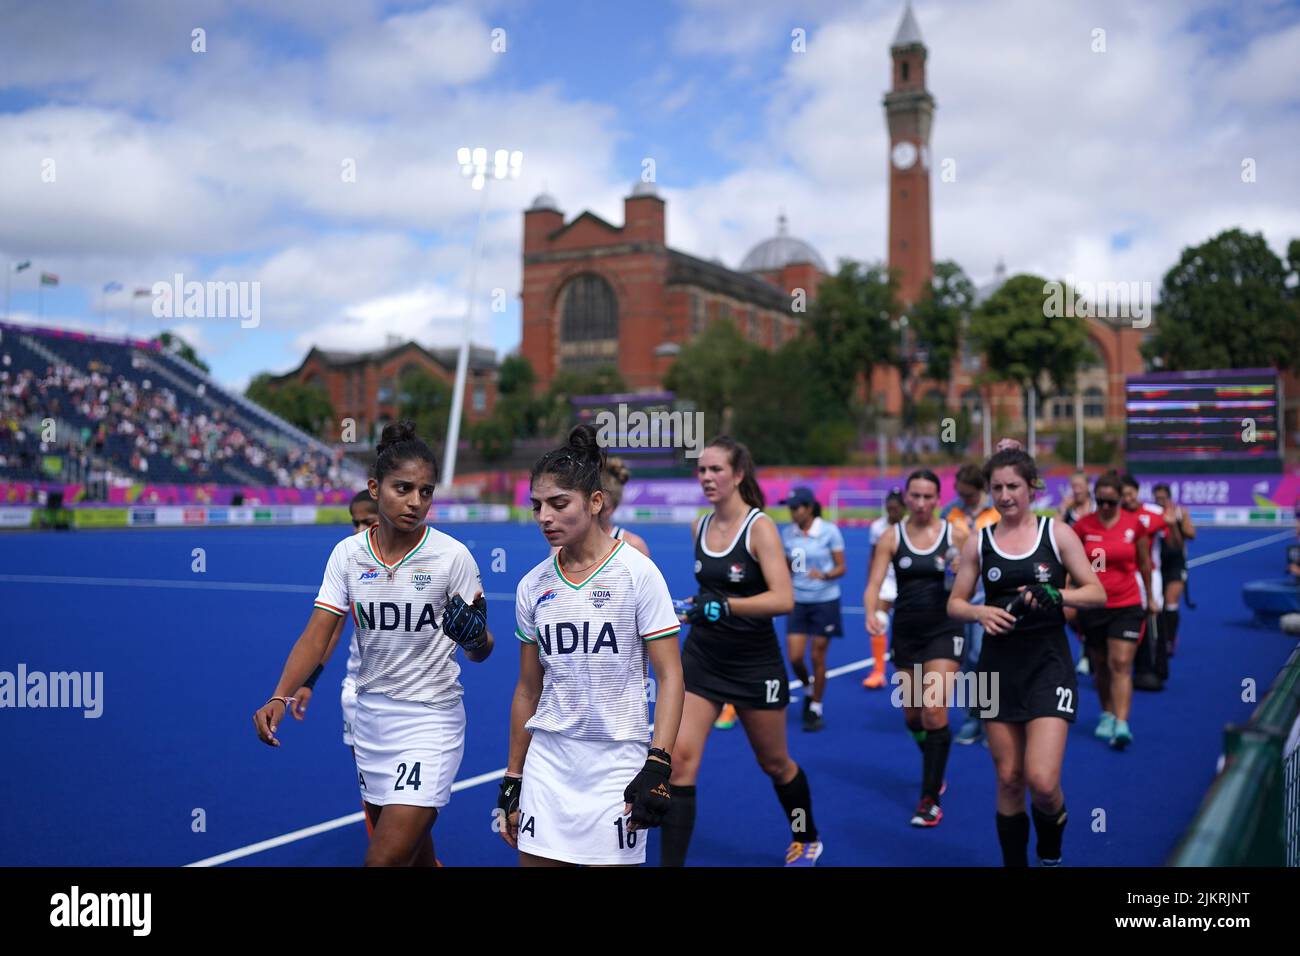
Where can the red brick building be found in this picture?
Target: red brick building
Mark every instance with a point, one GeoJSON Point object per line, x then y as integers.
{"type": "Point", "coordinates": [599, 294]}
{"type": "Point", "coordinates": [365, 386]}
{"type": "Point", "coordinates": [596, 294]}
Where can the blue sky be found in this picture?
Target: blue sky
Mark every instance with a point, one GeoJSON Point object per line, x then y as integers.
{"type": "Point", "coordinates": [224, 165]}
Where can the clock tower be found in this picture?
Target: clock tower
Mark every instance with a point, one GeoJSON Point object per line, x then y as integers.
{"type": "Point", "coordinates": [909, 111]}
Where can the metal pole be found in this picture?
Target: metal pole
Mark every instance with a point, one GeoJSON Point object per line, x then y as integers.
{"type": "Point", "coordinates": [1078, 426]}
{"type": "Point", "coordinates": [462, 360]}
{"type": "Point", "coordinates": [1033, 418]}
{"type": "Point", "coordinates": [988, 425]}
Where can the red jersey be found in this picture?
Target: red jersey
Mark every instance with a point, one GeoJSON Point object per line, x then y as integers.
{"type": "Point", "coordinates": [1112, 552]}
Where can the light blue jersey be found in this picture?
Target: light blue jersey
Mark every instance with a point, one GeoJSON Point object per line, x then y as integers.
{"type": "Point", "coordinates": [810, 550]}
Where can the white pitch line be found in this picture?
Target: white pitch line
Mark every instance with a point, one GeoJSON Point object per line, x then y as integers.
{"type": "Point", "coordinates": [489, 777]}
{"type": "Point", "coordinates": [1238, 549]}
{"type": "Point", "coordinates": [496, 774]}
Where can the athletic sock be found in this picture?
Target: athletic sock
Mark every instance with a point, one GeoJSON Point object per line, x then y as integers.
{"type": "Point", "coordinates": [1171, 633]}
{"type": "Point", "coordinates": [796, 800]}
{"type": "Point", "coordinates": [677, 825]}
{"type": "Point", "coordinates": [1050, 828]}
{"type": "Point", "coordinates": [1013, 835]}
{"type": "Point", "coordinates": [918, 734]}
{"type": "Point", "coordinates": [879, 647]}
{"type": "Point", "coordinates": [816, 707]}
{"type": "Point", "coordinates": [935, 761]}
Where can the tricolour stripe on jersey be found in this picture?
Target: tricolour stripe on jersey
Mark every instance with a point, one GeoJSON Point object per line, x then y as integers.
{"type": "Point", "coordinates": [576, 587]}
{"type": "Point", "coordinates": [394, 567]}
{"type": "Point", "coordinates": [331, 608]}
{"type": "Point", "coordinates": [655, 635]}
{"type": "Point", "coordinates": [524, 637]}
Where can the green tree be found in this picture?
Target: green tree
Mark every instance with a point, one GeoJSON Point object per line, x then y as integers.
{"type": "Point", "coordinates": [712, 370]}
{"type": "Point", "coordinates": [516, 406]}
{"type": "Point", "coordinates": [1227, 304]}
{"type": "Point", "coordinates": [175, 345]}
{"type": "Point", "coordinates": [803, 422]}
{"type": "Point", "coordinates": [1025, 340]}
{"type": "Point", "coordinates": [851, 322]}
{"type": "Point", "coordinates": [492, 438]}
{"type": "Point", "coordinates": [426, 400]}
{"type": "Point", "coordinates": [306, 406]}
{"type": "Point", "coordinates": [939, 316]}
{"type": "Point", "coordinates": [556, 410]}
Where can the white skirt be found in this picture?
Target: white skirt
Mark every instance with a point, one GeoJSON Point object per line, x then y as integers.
{"type": "Point", "coordinates": [571, 803]}
{"type": "Point", "coordinates": [407, 752]}
{"type": "Point", "coordinates": [349, 703]}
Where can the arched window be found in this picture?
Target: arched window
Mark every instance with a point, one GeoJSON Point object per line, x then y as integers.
{"type": "Point", "coordinates": [1094, 403]}
{"type": "Point", "coordinates": [588, 323]}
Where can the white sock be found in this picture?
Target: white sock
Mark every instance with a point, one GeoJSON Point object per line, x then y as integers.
{"type": "Point", "coordinates": [816, 707]}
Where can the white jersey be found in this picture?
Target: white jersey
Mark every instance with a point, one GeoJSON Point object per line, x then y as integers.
{"type": "Point", "coordinates": [890, 585]}
{"type": "Point", "coordinates": [397, 612]}
{"type": "Point", "coordinates": [590, 636]}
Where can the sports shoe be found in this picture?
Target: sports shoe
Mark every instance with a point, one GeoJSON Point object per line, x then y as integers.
{"type": "Point", "coordinates": [812, 721]}
{"type": "Point", "coordinates": [874, 681]}
{"type": "Point", "coordinates": [1083, 667]}
{"type": "Point", "coordinates": [1056, 862]}
{"type": "Point", "coordinates": [803, 854]}
{"type": "Point", "coordinates": [1105, 727]}
{"type": "Point", "coordinates": [970, 732]}
{"type": "Point", "coordinates": [727, 719]}
{"type": "Point", "coordinates": [928, 813]}
{"type": "Point", "coordinates": [1123, 736]}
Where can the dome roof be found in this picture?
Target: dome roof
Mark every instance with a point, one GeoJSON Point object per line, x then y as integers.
{"type": "Point", "coordinates": [780, 251]}
{"type": "Point", "coordinates": [545, 201]}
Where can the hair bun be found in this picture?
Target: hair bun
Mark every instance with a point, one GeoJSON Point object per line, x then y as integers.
{"type": "Point", "coordinates": [615, 468]}
{"type": "Point", "coordinates": [582, 439]}
{"type": "Point", "coordinates": [395, 433]}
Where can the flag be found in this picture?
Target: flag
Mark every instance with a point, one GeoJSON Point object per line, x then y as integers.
{"type": "Point", "coordinates": [113, 287]}
{"type": "Point", "coordinates": [25, 264]}
{"type": "Point", "coordinates": [49, 278]}
{"type": "Point", "coordinates": [142, 292]}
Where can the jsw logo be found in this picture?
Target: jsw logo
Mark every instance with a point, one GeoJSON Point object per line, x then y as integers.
{"type": "Point", "coordinates": [566, 638]}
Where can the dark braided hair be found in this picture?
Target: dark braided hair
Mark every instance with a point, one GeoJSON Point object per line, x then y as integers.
{"type": "Point", "coordinates": [577, 465]}
{"type": "Point", "coordinates": [399, 444]}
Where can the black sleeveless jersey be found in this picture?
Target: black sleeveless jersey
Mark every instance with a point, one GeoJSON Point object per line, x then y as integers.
{"type": "Point", "coordinates": [733, 573]}
{"type": "Point", "coordinates": [920, 576]}
{"type": "Point", "coordinates": [1004, 574]}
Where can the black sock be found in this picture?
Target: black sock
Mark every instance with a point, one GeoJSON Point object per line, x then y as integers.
{"type": "Point", "coordinates": [1171, 626]}
{"type": "Point", "coordinates": [918, 734]}
{"type": "Point", "coordinates": [801, 671]}
{"type": "Point", "coordinates": [678, 823]}
{"type": "Point", "coordinates": [1050, 827]}
{"type": "Point", "coordinates": [796, 800]}
{"type": "Point", "coordinates": [1013, 835]}
{"type": "Point", "coordinates": [934, 761]}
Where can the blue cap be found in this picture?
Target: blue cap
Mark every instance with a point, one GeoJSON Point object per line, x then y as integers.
{"type": "Point", "coordinates": [799, 496]}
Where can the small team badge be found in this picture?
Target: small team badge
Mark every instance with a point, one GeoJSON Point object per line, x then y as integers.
{"type": "Point", "coordinates": [995, 573]}
{"type": "Point", "coordinates": [421, 580]}
{"type": "Point", "coordinates": [1042, 573]}
{"type": "Point", "coordinates": [598, 597]}
{"type": "Point", "coordinates": [736, 573]}
{"type": "Point", "coordinates": [905, 561]}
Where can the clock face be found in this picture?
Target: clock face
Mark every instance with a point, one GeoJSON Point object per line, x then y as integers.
{"type": "Point", "coordinates": [904, 155]}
